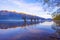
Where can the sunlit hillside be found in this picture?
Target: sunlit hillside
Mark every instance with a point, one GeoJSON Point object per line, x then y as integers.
{"type": "Point", "coordinates": [8, 15]}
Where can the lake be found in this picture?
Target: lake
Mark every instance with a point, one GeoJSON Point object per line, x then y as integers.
{"type": "Point", "coordinates": [15, 30]}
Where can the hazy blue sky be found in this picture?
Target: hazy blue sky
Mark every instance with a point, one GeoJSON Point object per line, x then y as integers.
{"type": "Point", "coordinates": [33, 7]}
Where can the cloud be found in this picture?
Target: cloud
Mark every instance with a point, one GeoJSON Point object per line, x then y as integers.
{"type": "Point", "coordinates": [29, 8]}
{"type": "Point", "coordinates": [33, 7]}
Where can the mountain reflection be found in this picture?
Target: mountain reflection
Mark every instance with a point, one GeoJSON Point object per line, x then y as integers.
{"type": "Point", "coordinates": [40, 30]}
{"type": "Point", "coordinates": [9, 24]}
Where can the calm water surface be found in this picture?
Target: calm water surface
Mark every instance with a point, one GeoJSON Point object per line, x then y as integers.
{"type": "Point", "coordinates": [29, 31]}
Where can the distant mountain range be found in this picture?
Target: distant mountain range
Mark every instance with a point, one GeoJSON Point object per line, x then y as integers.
{"type": "Point", "coordinates": [8, 15]}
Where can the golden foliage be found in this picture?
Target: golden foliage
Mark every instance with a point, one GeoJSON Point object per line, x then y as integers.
{"type": "Point", "coordinates": [57, 17]}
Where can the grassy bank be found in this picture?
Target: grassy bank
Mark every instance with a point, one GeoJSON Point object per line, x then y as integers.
{"type": "Point", "coordinates": [57, 17]}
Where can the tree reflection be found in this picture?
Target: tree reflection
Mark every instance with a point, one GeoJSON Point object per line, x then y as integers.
{"type": "Point", "coordinates": [56, 34]}
{"type": "Point", "coordinates": [5, 25]}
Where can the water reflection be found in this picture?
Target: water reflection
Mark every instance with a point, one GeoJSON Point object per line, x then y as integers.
{"type": "Point", "coordinates": [42, 30]}
{"type": "Point", "coordinates": [9, 24]}
{"type": "Point", "coordinates": [56, 34]}
{"type": "Point", "coordinates": [57, 22]}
